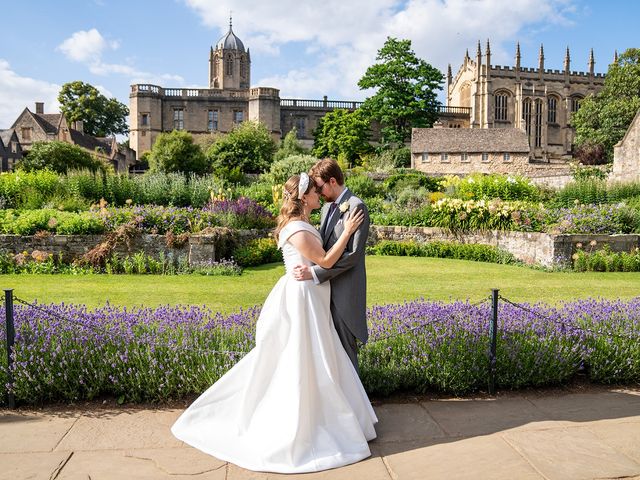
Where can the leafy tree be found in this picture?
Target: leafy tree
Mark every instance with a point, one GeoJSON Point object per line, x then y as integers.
{"type": "Point", "coordinates": [282, 169]}
{"type": "Point", "coordinates": [176, 152]}
{"type": "Point", "coordinates": [59, 157]}
{"type": "Point", "coordinates": [249, 148]}
{"type": "Point", "coordinates": [406, 93]}
{"type": "Point", "coordinates": [342, 134]}
{"type": "Point", "coordinates": [290, 146]}
{"type": "Point", "coordinates": [604, 118]}
{"type": "Point", "coordinates": [101, 116]}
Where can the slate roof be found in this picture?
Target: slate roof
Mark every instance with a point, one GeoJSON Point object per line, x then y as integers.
{"type": "Point", "coordinates": [469, 140]}
{"type": "Point", "coordinates": [90, 143]}
{"type": "Point", "coordinates": [48, 121]}
{"type": "Point", "coordinates": [5, 136]}
{"type": "Point", "coordinates": [230, 42]}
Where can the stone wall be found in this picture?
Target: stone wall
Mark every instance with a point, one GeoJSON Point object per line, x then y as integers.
{"type": "Point", "coordinates": [529, 247]}
{"type": "Point", "coordinates": [626, 154]}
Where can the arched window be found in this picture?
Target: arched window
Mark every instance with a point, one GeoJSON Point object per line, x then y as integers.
{"type": "Point", "coordinates": [229, 66]}
{"type": "Point", "coordinates": [526, 116]}
{"type": "Point", "coordinates": [501, 106]}
{"type": "Point", "coordinates": [538, 139]}
{"type": "Point", "coordinates": [552, 109]}
{"type": "Point", "coordinates": [575, 103]}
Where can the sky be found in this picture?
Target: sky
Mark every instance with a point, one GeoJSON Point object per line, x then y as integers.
{"type": "Point", "coordinates": [305, 48]}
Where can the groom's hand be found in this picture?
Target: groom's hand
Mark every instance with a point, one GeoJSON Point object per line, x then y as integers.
{"type": "Point", "coordinates": [302, 272]}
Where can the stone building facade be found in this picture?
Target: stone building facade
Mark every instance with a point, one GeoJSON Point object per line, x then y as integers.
{"type": "Point", "coordinates": [38, 126]}
{"type": "Point", "coordinates": [228, 100]}
{"type": "Point", "coordinates": [539, 101]}
{"type": "Point", "coordinates": [626, 154]}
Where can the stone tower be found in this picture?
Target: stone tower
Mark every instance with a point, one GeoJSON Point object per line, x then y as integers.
{"type": "Point", "coordinates": [229, 63]}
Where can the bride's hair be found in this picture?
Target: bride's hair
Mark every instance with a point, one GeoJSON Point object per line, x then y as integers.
{"type": "Point", "coordinates": [291, 204]}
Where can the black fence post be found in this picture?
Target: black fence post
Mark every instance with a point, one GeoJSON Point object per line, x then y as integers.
{"type": "Point", "coordinates": [11, 337]}
{"type": "Point", "coordinates": [493, 341]}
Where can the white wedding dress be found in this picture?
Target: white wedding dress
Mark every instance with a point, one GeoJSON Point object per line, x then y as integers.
{"type": "Point", "coordinates": [294, 403]}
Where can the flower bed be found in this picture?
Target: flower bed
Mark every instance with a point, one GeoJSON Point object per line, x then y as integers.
{"type": "Point", "coordinates": [156, 354]}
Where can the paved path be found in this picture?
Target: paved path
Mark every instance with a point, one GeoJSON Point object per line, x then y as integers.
{"type": "Point", "coordinates": [564, 436]}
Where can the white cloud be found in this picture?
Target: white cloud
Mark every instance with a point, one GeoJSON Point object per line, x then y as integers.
{"type": "Point", "coordinates": [86, 46]}
{"type": "Point", "coordinates": [19, 92]}
{"type": "Point", "coordinates": [343, 37]}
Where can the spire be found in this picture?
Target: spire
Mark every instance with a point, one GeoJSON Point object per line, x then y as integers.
{"type": "Point", "coordinates": [567, 60]}
{"type": "Point", "coordinates": [488, 47]}
{"type": "Point", "coordinates": [478, 50]}
{"type": "Point", "coordinates": [518, 58]}
{"type": "Point", "coordinates": [488, 53]}
{"type": "Point", "coordinates": [449, 72]}
{"type": "Point", "coordinates": [615, 56]}
{"type": "Point", "coordinates": [541, 59]}
{"type": "Point", "coordinates": [230, 19]}
{"type": "Point", "coordinates": [592, 62]}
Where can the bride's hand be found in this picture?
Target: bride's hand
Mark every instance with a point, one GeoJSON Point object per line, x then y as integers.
{"type": "Point", "coordinates": [353, 220]}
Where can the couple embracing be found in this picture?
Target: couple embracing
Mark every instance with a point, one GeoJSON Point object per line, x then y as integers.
{"type": "Point", "coordinates": [295, 402]}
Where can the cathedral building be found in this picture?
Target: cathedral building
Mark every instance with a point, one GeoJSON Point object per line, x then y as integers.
{"type": "Point", "coordinates": [539, 101]}
{"type": "Point", "coordinates": [228, 101]}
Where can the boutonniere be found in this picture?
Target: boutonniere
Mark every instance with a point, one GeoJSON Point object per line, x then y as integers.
{"type": "Point", "coordinates": [344, 206]}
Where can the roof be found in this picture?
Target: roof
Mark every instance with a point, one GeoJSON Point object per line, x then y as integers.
{"type": "Point", "coordinates": [469, 140]}
{"type": "Point", "coordinates": [90, 143]}
{"type": "Point", "coordinates": [230, 42]}
{"type": "Point", "coordinates": [48, 121]}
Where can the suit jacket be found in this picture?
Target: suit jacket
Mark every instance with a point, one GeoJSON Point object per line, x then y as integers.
{"type": "Point", "coordinates": [348, 276]}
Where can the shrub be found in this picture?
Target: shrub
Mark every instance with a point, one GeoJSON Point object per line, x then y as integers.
{"type": "Point", "coordinates": [58, 157]}
{"type": "Point", "coordinates": [21, 189]}
{"type": "Point", "coordinates": [177, 152]}
{"type": "Point", "coordinates": [249, 147]}
{"type": "Point", "coordinates": [281, 170]}
{"type": "Point", "coordinates": [604, 260]}
{"type": "Point", "coordinates": [504, 187]}
{"type": "Point", "coordinates": [439, 249]}
{"type": "Point", "coordinates": [362, 186]}
{"type": "Point", "coordinates": [415, 180]}
{"type": "Point", "coordinates": [257, 252]}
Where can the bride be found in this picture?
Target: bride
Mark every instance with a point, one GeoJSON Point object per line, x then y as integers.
{"type": "Point", "coordinates": [294, 403]}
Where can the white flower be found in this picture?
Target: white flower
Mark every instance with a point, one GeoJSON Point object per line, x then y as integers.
{"type": "Point", "coordinates": [344, 206]}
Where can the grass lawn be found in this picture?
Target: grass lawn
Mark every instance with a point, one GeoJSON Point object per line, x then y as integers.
{"type": "Point", "coordinates": [390, 280]}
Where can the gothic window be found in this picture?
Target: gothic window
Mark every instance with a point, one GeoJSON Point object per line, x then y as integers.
{"type": "Point", "coordinates": [238, 116]}
{"type": "Point", "coordinates": [243, 68]}
{"type": "Point", "coordinates": [538, 139]}
{"type": "Point", "coordinates": [301, 130]}
{"type": "Point", "coordinates": [575, 104]}
{"type": "Point", "coordinates": [501, 107]}
{"type": "Point", "coordinates": [526, 116]}
{"type": "Point", "coordinates": [178, 118]}
{"type": "Point", "coordinates": [229, 66]}
{"type": "Point", "coordinates": [552, 110]}
{"type": "Point", "coordinates": [212, 120]}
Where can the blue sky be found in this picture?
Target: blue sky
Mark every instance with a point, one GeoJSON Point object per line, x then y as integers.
{"type": "Point", "coordinates": [307, 49]}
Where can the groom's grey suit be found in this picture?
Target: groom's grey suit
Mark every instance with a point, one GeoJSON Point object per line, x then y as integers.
{"type": "Point", "coordinates": [348, 276]}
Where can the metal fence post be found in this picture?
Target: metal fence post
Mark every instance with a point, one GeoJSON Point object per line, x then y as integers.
{"type": "Point", "coordinates": [493, 340]}
{"type": "Point", "coordinates": [11, 336]}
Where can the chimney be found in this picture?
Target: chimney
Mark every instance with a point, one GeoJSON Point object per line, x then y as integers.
{"type": "Point", "coordinates": [79, 126]}
{"type": "Point", "coordinates": [40, 108]}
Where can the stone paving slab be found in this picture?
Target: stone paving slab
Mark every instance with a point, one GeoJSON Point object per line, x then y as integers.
{"type": "Point", "coordinates": [571, 453]}
{"type": "Point", "coordinates": [36, 465]}
{"type": "Point", "coordinates": [622, 436]}
{"type": "Point", "coordinates": [33, 432]}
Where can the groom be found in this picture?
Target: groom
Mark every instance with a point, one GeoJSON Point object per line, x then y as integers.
{"type": "Point", "coordinates": [348, 276]}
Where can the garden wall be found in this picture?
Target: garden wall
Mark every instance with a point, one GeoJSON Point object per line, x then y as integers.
{"type": "Point", "coordinates": [530, 247]}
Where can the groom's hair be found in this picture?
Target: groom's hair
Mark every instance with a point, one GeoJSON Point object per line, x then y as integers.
{"type": "Point", "coordinates": [327, 168]}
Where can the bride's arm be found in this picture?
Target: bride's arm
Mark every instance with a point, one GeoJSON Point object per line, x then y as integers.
{"type": "Point", "coordinates": [310, 247]}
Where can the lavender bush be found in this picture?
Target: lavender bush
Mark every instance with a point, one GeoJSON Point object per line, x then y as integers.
{"type": "Point", "coordinates": [143, 354]}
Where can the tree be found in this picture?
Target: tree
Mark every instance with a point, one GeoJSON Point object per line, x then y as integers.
{"type": "Point", "coordinates": [406, 93]}
{"type": "Point", "coordinates": [176, 152]}
{"type": "Point", "coordinates": [100, 116]}
{"type": "Point", "coordinates": [343, 134]}
{"type": "Point", "coordinates": [59, 157]}
{"type": "Point", "coordinates": [290, 146]}
{"type": "Point", "coordinates": [604, 118]}
{"type": "Point", "coordinates": [249, 148]}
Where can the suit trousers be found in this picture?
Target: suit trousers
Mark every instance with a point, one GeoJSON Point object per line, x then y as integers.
{"type": "Point", "coordinates": [347, 339]}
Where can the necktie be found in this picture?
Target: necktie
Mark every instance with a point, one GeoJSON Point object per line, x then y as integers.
{"type": "Point", "coordinates": [332, 208]}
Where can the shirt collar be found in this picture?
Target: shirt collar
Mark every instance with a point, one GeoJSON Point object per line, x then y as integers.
{"type": "Point", "coordinates": [337, 202]}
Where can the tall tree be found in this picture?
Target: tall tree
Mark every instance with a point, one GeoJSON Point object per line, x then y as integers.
{"type": "Point", "coordinates": [406, 93]}
{"type": "Point", "coordinates": [342, 134]}
{"type": "Point", "coordinates": [603, 119]}
{"type": "Point", "coordinates": [101, 116]}
{"type": "Point", "coordinates": [249, 148]}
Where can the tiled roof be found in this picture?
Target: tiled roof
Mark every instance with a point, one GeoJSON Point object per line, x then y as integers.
{"type": "Point", "coordinates": [48, 121]}
{"type": "Point", "coordinates": [469, 140]}
{"type": "Point", "coordinates": [5, 136]}
{"type": "Point", "coordinates": [90, 143]}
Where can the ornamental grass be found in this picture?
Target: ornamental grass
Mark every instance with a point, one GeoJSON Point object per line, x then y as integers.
{"type": "Point", "coordinates": [68, 352]}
